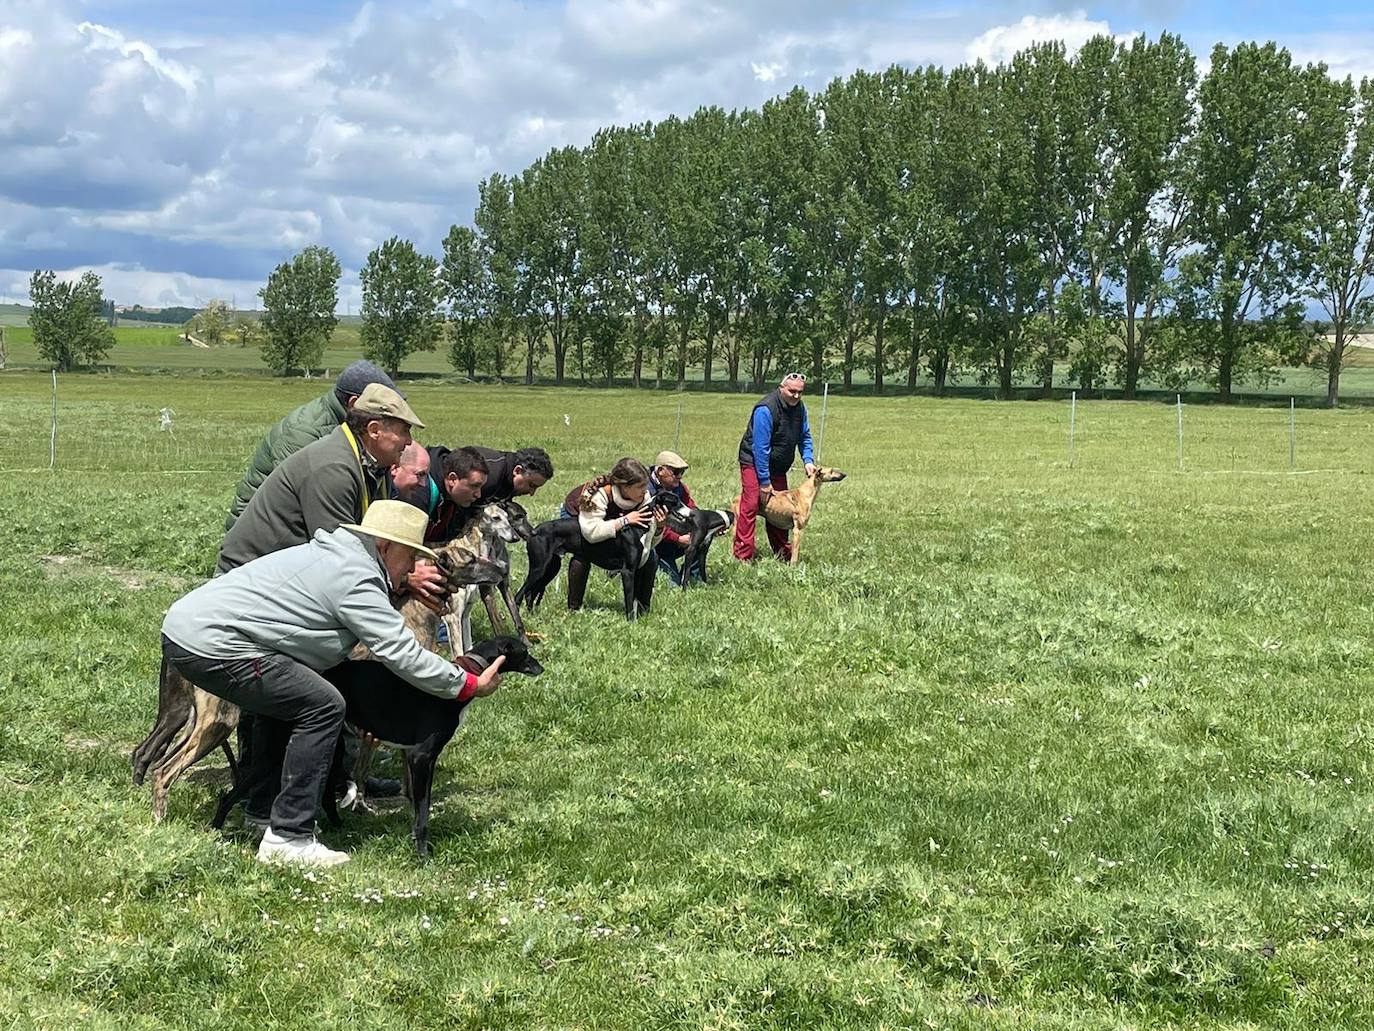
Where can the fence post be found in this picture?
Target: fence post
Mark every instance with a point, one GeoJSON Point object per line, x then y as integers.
{"type": "Point", "coordinates": [677, 433]}
{"type": "Point", "coordinates": [1073, 413]}
{"type": "Point", "coordinates": [52, 445]}
{"type": "Point", "coordinates": [1292, 437]}
{"type": "Point", "coordinates": [1179, 399]}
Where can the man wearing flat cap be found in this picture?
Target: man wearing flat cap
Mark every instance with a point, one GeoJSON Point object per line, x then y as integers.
{"type": "Point", "coordinates": [666, 475]}
{"type": "Point", "coordinates": [326, 484]}
{"type": "Point", "coordinates": [261, 635]}
{"type": "Point", "coordinates": [304, 426]}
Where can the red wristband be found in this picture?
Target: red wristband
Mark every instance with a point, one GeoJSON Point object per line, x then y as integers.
{"type": "Point", "coordinates": [469, 686]}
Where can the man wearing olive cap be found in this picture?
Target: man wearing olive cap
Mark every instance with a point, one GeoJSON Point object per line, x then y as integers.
{"type": "Point", "coordinates": [260, 635]}
{"type": "Point", "coordinates": [302, 427]}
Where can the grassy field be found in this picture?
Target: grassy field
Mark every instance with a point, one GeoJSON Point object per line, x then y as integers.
{"type": "Point", "coordinates": [1018, 745]}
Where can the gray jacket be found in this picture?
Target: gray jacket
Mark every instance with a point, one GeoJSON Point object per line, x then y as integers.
{"type": "Point", "coordinates": [313, 602]}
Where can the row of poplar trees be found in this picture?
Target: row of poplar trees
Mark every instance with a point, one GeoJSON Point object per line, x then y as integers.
{"type": "Point", "coordinates": [1109, 216]}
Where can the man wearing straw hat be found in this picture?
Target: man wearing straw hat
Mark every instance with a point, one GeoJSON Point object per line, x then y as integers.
{"type": "Point", "coordinates": [777, 430]}
{"type": "Point", "coordinates": [260, 635]}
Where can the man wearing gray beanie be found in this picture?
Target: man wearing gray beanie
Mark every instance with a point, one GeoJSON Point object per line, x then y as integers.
{"type": "Point", "coordinates": [305, 425]}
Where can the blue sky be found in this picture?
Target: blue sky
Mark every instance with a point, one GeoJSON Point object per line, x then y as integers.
{"type": "Point", "coordinates": [183, 149]}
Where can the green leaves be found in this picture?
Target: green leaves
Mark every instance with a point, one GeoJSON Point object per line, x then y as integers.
{"type": "Point", "coordinates": [68, 327]}
{"type": "Point", "coordinates": [401, 290]}
{"type": "Point", "coordinates": [298, 309]}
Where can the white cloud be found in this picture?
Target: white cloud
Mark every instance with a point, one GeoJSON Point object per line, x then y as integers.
{"type": "Point", "coordinates": [998, 45]}
{"type": "Point", "coordinates": [766, 72]}
{"type": "Point", "coordinates": [216, 156]}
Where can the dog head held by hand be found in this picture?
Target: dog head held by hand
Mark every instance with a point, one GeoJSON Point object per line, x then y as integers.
{"type": "Point", "coordinates": [517, 653]}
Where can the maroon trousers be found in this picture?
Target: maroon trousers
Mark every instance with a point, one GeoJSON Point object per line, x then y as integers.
{"type": "Point", "coordinates": [749, 511]}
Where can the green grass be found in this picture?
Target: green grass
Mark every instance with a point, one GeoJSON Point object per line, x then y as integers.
{"type": "Point", "coordinates": [1017, 745]}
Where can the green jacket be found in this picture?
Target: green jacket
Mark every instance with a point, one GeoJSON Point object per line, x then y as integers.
{"type": "Point", "coordinates": [308, 423]}
{"type": "Point", "coordinates": [320, 487]}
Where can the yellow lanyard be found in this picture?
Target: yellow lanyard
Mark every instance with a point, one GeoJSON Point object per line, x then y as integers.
{"type": "Point", "coordinates": [353, 443]}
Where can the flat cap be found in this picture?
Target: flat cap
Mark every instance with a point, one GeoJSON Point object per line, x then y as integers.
{"type": "Point", "coordinates": [385, 402]}
{"type": "Point", "coordinates": [672, 460]}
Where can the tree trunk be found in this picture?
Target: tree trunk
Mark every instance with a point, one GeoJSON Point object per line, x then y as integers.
{"type": "Point", "coordinates": [878, 349]}
{"type": "Point", "coordinates": [529, 358]}
{"type": "Point", "coordinates": [939, 367]}
{"type": "Point", "coordinates": [1005, 355]}
{"type": "Point", "coordinates": [1047, 367]}
{"type": "Point", "coordinates": [1132, 354]}
{"type": "Point", "coordinates": [913, 360]}
{"type": "Point", "coordinates": [1224, 377]}
{"type": "Point", "coordinates": [682, 354]}
{"type": "Point", "coordinates": [709, 347]}
{"type": "Point", "coordinates": [850, 332]}
{"type": "Point", "coordinates": [1333, 367]}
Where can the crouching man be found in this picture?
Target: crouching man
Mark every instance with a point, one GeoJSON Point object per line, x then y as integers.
{"type": "Point", "coordinates": [260, 635]}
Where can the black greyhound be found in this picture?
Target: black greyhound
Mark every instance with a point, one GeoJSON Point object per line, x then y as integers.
{"type": "Point", "coordinates": [382, 704]}
{"type": "Point", "coordinates": [700, 525]}
{"type": "Point", "coordinates": [551, 540]}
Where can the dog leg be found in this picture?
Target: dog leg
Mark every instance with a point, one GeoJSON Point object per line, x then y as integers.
{"type": "Point", "coordinates": [796, 544]}
{"type": "Point", "coordinates": [627, 580]}
{"type": "Point", "coordinates": [208, 735]}
{"type": "Point", "coordinates": [175, 707]}
{"type": "Point", "coordinates": [362, 766]}
{"type": "Point", "coordinates": [421, 766]}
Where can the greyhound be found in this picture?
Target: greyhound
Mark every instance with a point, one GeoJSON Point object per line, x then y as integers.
{"type": "Point", "coordinates": [502, 523]}
{"type": "Point", "coordinates": [382, 704]}
{"type": "Point", "coordinates": [701, 525]}
{"type": "Point", "coordinates": [791, 509]}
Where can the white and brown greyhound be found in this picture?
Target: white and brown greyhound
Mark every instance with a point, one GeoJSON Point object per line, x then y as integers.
{"type": "Point", "coordinates": [791, 509]}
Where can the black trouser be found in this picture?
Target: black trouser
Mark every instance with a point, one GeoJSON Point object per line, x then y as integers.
{"type": "Point", "coordinates": [298, 718]}
{"type": "Point", "coordinates": [579, 569]}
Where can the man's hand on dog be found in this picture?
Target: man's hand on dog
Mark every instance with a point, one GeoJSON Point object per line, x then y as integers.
{"type": "Point", "coordinates": [810, 469]}
{"type": "Point", "coordinates": [426, 582]}
{"type": "Point", "coordinates": [765, 491]}
{"type": "Point", "coordinates": [490, 679]}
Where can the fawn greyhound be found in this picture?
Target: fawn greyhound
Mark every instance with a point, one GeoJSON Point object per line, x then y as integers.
{"type": "Point", "coordinates": [205, 721]}
{"type": "Point", "coordinates": [791, 509]}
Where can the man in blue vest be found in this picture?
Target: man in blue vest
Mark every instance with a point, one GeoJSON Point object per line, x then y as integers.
{"type": "Point", "coordinates": [777, 430]}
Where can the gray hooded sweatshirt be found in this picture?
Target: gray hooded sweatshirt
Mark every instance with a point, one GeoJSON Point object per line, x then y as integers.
{"type": "Point", "coordinates": [313, 602]}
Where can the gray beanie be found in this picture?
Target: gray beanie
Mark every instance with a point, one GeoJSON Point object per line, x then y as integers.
{"type": "Point", "coordinates": [355, 378]}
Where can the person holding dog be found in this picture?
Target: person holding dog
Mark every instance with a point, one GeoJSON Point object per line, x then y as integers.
{"type": "Point", "coordinates": [303, 426]}
{"type": "Point", "coordinates": [776, 431]}
{"type": "Point", "coordinates": [262, 634]}
{"type": "Point", "coordinates": [603, 507]}
{"type": "Point", "coordinates": [461, 475]}
{"type": "Point", "coordinates": [514, 474]}
{"type": "Point", "coordinates": [669, 468]}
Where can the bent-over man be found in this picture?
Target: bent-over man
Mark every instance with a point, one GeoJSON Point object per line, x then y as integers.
{"type": "Point", "coordinates": [776, 431]}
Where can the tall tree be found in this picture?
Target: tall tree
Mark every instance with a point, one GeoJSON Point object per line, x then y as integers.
{"type": "Point", "coordinates": [400, 310]}
{"type": "Point", "coordinates": [501, 249]}
{"type": "Point", "coordinates": [466, 278]}
{"type": "Point", "coordinates": [1151, 119]}
{"type": "Point", "coordinates": [1338, 146]}
{"type": "Point", "coordinates": [548, 215]}
{"type": "Point", "coordinates": [67, 321]}
{"type": "Point", "coordinates": [298, 309]}
{"type": "Point", "coordinates": [1246, 196]}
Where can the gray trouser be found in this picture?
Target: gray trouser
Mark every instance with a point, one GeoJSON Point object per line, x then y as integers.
{"type": "Point", "coordinates": [298, 718]}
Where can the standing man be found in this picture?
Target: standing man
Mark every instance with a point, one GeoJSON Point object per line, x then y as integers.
{"type": "Point", "coordinates": [777, 430]}
{"type": "Point", "coordinates": [304, 425]}
{"type": "Point", "coordinates": [261, 635]}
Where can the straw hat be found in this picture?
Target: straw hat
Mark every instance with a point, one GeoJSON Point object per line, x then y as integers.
{"type": "Point", "coordinates": [396, 521]}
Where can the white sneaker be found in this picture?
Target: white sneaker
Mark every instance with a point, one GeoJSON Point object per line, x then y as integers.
{"type": "Point", "coordinates": [303, 850]}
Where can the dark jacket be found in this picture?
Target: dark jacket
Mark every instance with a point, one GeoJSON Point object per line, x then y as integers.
{"type": "Point", "coordinates": [774, 433]}
{"type": "Point", "coordinates": [320, 487]}
{"type": "Point", "coordinates": [302, 426]}
{"type": "Point", "coordinates": [500, 485]}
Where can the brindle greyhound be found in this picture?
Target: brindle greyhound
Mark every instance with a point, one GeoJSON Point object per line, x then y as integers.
{"type": "Point", "coordinates": [209, 720]}
{"type": "Point", "coordinates": [503, 522]}
{"type": "Point", "coordinates": [791, 509]}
